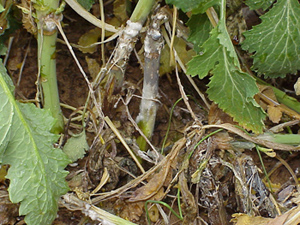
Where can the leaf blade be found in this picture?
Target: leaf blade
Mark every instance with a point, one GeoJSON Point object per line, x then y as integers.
{"type": "Point", "coordinates": [36, 173]}
{"type": "Point", "coordinates": [275, 40]}
{"type": "Point", "coordinates": [186, 5]}
{"type": "Point", "coordinates": [200, 27]}
{"type": "Point", "coordinates": [259, 4]}
{"type": "Point", "coordinates": [237, 90]}
{"type": "Point", "coordinates": [229, 87]}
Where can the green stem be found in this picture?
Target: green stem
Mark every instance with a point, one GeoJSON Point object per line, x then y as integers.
{"type": "Point", "coordinates": [47, 62]}
{"type": "Point", "coordinates": [142, 10]}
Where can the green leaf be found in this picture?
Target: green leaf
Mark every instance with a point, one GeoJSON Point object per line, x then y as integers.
{"type": "Point", "coordinates": [87, 4]}
{"type": "Point", "coordinates": [276, 41]}
{"type": "Point", "coordinates": [200, 27]}
{"type": "Point", "coordinates": [76, 146]}
{"type": "Point", "coordinates": [225, 41]}
{"type": "Point", "coordinates": [186, 5]}
{"type": "Point", "coordinates": [207, 59]}
{"type": "Point", "coordinates": [229, 87]}
{"type": "Point", "coordinates": [36, 173]}
{"type": "Point", "coordinates": [204, 5]}
{"type": "Point", "coordinates": [259, 4]}
{"type": "Point", "coordinates": [196, 6]}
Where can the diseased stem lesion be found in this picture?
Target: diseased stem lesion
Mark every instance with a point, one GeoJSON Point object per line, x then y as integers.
{"type": "Point", "coordinates": [152, 46]}
{"type": "Point", "coordinates": [115, 68]}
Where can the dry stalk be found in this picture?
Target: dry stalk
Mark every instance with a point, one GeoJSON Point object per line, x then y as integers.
{"type": "Point", "coordinates": [258, 141]}
{"type": "Point", "coordinates": [73, 203]}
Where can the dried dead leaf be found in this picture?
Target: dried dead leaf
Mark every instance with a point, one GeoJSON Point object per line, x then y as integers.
{"type": "Point", "coordinates": [8, 210]}
{"type": "Point", "coordinates": [3, 173]}
{"type": "Point", "coordinates": [274, 113]}
{"type": "Point", "coordinates": [266, 143]}
{"type": "Point", "coordinates": [131, 211]}
{"type": "Point", "coordinates": [244, 219]}
{"type": "Point", "coordinates": [153, 187]}
{"type": "Point", "coordinates": [297, 86]}
{"type": "Point", "coordinates": [153, 213]}
{"type": "Point", "coordinates": [27, 18]}
{"type": "Point", "coordinates": [169, 159]}
{"type": "Point", "coordinates": [268, 91]}
{"type": "Point", "coordinates": [279, 220]}
{"type": "Point", "coordinates": [290, 217]}
{"type": "Point", "coordinates": [75, 180]}
{"type": "Point", "coordinates": [266, 98]}
{"type": "Point", "coordinates": [189, 206]}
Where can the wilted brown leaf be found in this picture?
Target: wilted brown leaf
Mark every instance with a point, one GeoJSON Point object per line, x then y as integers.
{"type": "Point", "coordinates": [154, 186]}
{"type": "Point", "coordinates": [131, 211]}
{"type": "Point", "coordinates": [189, 206]}
{"type": "Point", "coordinates": [274, 113]}
{"type": "Point", "coordinates": [290, 217]}
{"type": "Point", "coordinates": [27, 19]}
{"type": "Point", "coordinates": [244, 219]}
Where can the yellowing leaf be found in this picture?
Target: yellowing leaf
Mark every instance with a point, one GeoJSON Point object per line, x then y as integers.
{"type": "Point", "coordinates": [244, 219]}
{"type": "Point", "coordinates": [120, 10]}
{"type": "Point", "coordinates": [181, 49]}
{"type": "Point", "coordinates": [88, 39]}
